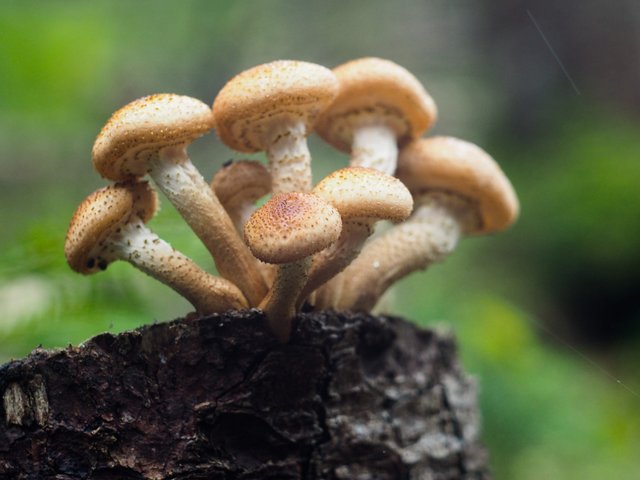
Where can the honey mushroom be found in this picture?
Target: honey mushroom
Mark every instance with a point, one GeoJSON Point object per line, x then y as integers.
{"type": "Point", "coordinates": [379, 105]}
{"type": "Point", "coordinates": [362, 196]}
{"type": "Point", "coordinates": [151, 135]}
{"type": "Point", "coordinates": [309, 244]}
{"type": "Point", "coordinates": [272, 108]}
{"type": "Point", "coordinates": [458, 190]}
{"type": "Point", "coordinates": [286, 231]}
{"type": "Point", "coordinates": [110, 225]}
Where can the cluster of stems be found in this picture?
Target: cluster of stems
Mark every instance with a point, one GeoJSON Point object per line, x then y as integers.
{"type": "Point", "coordinates": [306, 245]}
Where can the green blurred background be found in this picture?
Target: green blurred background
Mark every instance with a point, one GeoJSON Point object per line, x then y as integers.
{"type": "Point", "coordinates": [547, 314]}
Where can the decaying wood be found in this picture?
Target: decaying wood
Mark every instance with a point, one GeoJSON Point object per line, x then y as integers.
{"type": "Point", "coordinates": [352, 396]}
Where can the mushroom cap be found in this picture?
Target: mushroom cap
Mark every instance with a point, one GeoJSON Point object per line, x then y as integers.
{"type": "Point", "coordinates": [460, 167]}
{"type": "Point", "coordinates": [253, 101]}
{"type": "Point", "coordinates": [101, 214]}
{"type": "Point", "coordinates": [245, 180]}
{"type": "Point", "coordinates": [138, 131]}
{"type": "Point", "coordinates": [374, 91]}
{"type": "Point", "coordinates": [291, 227]}
{"type": "Point", "coordinates": [358, 192]}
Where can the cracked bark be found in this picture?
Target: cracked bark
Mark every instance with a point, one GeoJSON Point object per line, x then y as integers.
{"type": "Point", "coordinates": [352, 396]}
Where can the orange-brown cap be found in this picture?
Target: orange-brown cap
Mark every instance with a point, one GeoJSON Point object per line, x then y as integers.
{"type": "Point", "coordinates": [245, 181]}
{"type": "Point", "coordinates": [373, 90]}
{"type": "Point", "coordinates": [249, 105]}
{"type": "Point", "coordinates": [101, 214]}
{"type": "Point", "coordinates": [135, 133]}
{"type": "Point", "coordinates": [358, 192]}
{"type": "Point", "coordinates": [292, 226]}
{"type": "Point", "coordinates": [453, 165]}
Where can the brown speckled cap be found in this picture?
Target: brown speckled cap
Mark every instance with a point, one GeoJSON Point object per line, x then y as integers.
{"type": "Point", "coordinates": [244, 180]}
{"type": "Point", "coordinates": [249, 104]}
{"type": "Point", "coordinates": [358, 192]}
{"type": "Point", "coordinates": [373, 90]}
{"type": "Point", "coordinates": [135, 133]}
{"type": "Point", "coordinates": [460, 167]}
{"type": "Point", "coordinates": [102, 213]}
{"type": "Point", "coordinates": [292, 226]}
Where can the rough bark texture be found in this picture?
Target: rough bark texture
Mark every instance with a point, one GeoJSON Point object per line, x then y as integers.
{"type": "Point", "coordinates": [350, 397]}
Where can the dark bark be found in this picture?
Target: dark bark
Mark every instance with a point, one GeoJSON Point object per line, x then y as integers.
{"type": "Point", "coordinates": [350, 397]}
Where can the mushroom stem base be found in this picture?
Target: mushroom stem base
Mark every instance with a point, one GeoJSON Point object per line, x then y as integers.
{"type": "Point", "coordinates": [280, 303]}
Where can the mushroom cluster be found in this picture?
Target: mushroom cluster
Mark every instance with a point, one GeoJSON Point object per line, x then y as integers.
{"type": "Point", "coordinates": [306, 245]}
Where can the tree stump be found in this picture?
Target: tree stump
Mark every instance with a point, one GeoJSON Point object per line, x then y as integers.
{"type": "Point", "coordinates": [352, 396]}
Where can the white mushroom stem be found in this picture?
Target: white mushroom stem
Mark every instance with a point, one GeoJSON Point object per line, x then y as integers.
{"type": "Point", "coordinates": [429, 235]}
{"type": "Point", "coordinates": [137, 244]}
{"type": "Point", "coordinates": [280, 303]}
{"type": "Point", "coordinates": [289, 158]}
{"type": "Point", "coordinates": [186, 189]}
{"type": "Point", "coordinates": [332, 260]}
{"type": "Point", "coordinates": [375, 146]}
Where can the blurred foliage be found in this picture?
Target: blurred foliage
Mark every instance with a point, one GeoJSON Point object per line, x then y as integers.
{"type": "Point", "coordinates": [580, 222]}
{"type": "Point", "coordinates": [552, 405]}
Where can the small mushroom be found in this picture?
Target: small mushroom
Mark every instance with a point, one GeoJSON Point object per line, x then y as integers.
{"type": "Point", "coordinates": [272, 108]}
{"type": "Point", "coordinates": [287, 231]}
{"type": "Point", "coordinates": [151, 135]}
{"type": "Point", "coordinates": [379, 105]}
{"type": "Point", "coordinates": [458, 190]}
{"type": "Point", "coordinates": [238, 186]}
{"type": "Point", "coordinates": [110, 225]}
{"type": "Point", "coordinates": [362, 196]}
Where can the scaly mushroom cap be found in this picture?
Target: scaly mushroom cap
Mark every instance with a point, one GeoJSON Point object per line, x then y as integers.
{"type": "Point", "coordinates": [460, 167]}
{"type": "Point", "coordinates": [101, 214]}
{"type": "Point", "coordinates": [246, 180]}
{"type": "Point", "coordinates": [251, 102]}
{"type": "Point", "coordinates": [292, 226]}
{"type": "Point", "coordinates": [358, 192]}
{"type": "Point", "coordinates": [134, 134]}
{"type": "Point", "coordinates": [374, 90]}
